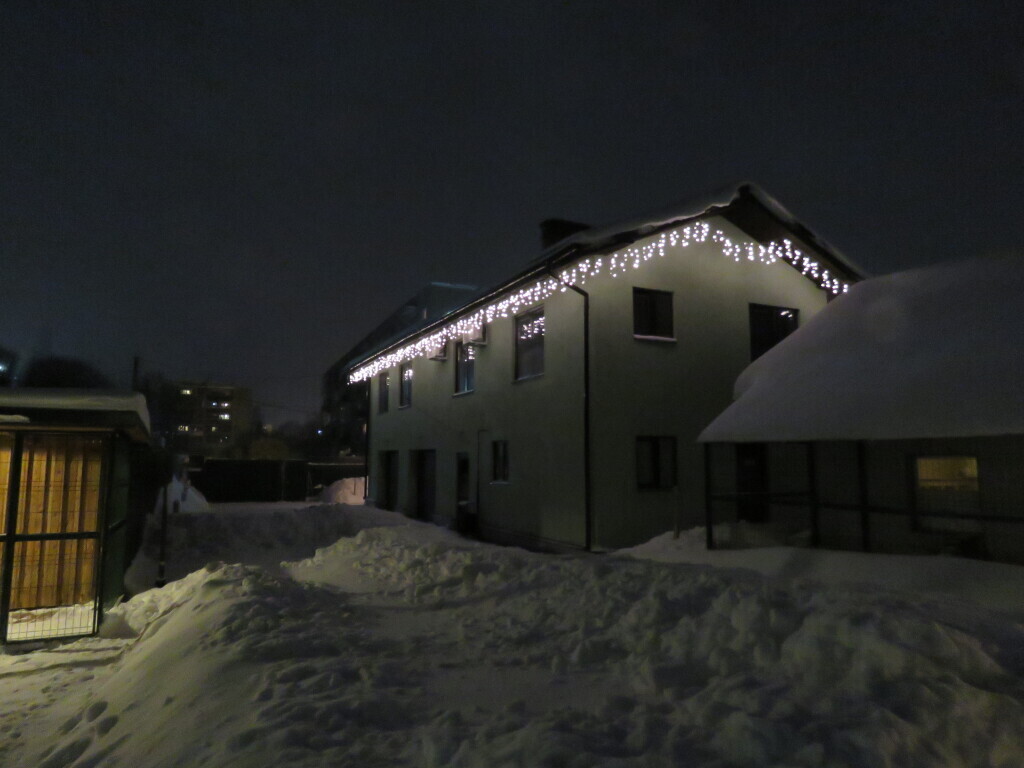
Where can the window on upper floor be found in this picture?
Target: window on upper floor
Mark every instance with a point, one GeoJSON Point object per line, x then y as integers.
{"type": "Point", "coordinates": [655, 462]}
{"type": "Point", "coordinates": [383, 391]}
{"type": "Point", "coordinates": [465, 367]}
{"type": "Point", "coordinates": [530, 344]}
{"type": "Point", "coordinates": [770, 325]}
{"type": "Point", "coordinates": [405, 385]}
{"type": "Point", "coordinates": [652, 314]}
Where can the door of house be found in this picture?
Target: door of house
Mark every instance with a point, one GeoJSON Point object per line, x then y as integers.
{"type": "Point", "coordinates": [752, 482]}
{"type": "Point", "coordinates": [424, 484]}
{"type": "Point", "coordinates": [465, 520]}
{"type": "Point", "coordinates": [387, 494]}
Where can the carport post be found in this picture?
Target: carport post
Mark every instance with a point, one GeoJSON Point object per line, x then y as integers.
{"type": "Point", "coordinates": [11, 517]}
{"type": "Point", "coordinates": [709, 531]}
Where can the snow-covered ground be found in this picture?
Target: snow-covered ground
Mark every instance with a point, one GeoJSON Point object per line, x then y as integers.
{"type": "Point", "coordinates": [400, 644]}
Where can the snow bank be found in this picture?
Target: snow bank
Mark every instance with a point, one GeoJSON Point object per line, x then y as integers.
{"type": "Point", "coordinates": [189, 498]}
{"type": "Point", "coordinates": [996, 586]}
{"type": "Point", "coordinates": [887, 361]}
{"type": "Point", "coordinates": [351, 490]}
{"type": "Point", "coordinates": [456, 653]}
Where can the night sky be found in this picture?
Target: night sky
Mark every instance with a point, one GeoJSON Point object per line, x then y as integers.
{"type": "Point", "coordinates": [239, 191]}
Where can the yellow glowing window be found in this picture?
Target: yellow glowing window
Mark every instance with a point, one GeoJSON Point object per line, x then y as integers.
{"type": "Point", "coordinates": [948, 484]}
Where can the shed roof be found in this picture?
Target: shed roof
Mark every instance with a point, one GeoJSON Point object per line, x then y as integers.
{"type": "Point", "coordinates": [932, 352]}
{"type": "Point", "coordinates": [77, 406]}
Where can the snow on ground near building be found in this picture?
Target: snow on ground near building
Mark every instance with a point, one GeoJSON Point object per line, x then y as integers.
{"type": "Point", "coordinates": [403, 645]}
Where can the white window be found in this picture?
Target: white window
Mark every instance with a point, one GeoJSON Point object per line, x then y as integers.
{"type": "Point", "coordinates": [530, 344]}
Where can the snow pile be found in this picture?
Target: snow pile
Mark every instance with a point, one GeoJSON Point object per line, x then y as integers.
{"type": "Point", "coordinates": [404, 645]}
{"type": "Point", "coordinates": [997, 586]}
{"type": "Point", "coordinates": [350, 490]}
{"type": "Point", "coordinates": [889, 359]}
{"type": "Point", "coordinates": [189, 498]}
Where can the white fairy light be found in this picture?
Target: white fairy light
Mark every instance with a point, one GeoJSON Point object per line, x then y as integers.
{"type": "Point", "coordinates": [615, 265]}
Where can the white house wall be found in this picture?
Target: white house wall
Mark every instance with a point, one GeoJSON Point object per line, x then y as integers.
{"type": "Point", "coordinates": [638, 388]}
{"type": "Point", "coordinates": [673, 388]}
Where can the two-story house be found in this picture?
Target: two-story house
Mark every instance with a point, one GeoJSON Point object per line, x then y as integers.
{"type": "Point", "coordinates": [561, 409]}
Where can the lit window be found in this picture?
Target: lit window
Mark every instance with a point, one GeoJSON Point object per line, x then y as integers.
{"type": "Point", "coordinates": [383, 392]}
{"type": "Point", "coordinates": [499, 461]}
{"type": "Point", "coordinates": [224, 416]}
{"type": "Point", "coordinates": [186, 391]}
{"type": "Point", "coordinates": [465, 367]}
{"type": "Point", "coordinates": [770, 325]}
{"type": "Point", "coordinates": [183, 428]}
{"type": "Point", "coordinates": [530, 344]}
{"type": "Point", "coordinates": [947, 485]}
{"type": "Point", "coordinates": [405, 385]}
{"type": "Point", "coordinates": [655, 462]}
{"type": "Point", "coordinates": [652, 314]}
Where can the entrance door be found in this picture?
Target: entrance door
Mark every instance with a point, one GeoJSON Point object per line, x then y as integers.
{"type": "Point", "coordinates": [752, 482]}
{"type": "Point", "coordinates": [387, 494]}
{"type": "Point", "coordinates": [424, 484]}
{"type": "Point", "coordinates": [465, 520]}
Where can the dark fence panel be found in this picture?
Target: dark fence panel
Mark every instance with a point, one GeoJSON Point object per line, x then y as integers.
{"type": "Point", "coordinates": [227, 480]}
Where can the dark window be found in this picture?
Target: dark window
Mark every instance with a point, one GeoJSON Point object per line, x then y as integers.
{"type": "Point", "coordinates": [530, 344]}
{"type": "Point", "coordinates": [383, 389]}
{"type": "Point", "coordinates": [405, 385]}
{"type": "Point", "coordinates": [770, 325]}
{"type": "Point", "coordinates": [652, 313]}
{"type": "Point", "coordinates": [947, 485]}
{"type": "Point", "coordinates": [499, 461]}
{"type": "Point", "coordinates": [465, 367]}
{"type": "Point", "coordinates": [656, 462]}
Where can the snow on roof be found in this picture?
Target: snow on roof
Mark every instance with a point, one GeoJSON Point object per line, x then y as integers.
{"type": "Point", "coordinates": [742, 197]}
{"type": "Point", "coordinates": [932, 352]}
{"type": "Point", "coordinates": [76, 400]}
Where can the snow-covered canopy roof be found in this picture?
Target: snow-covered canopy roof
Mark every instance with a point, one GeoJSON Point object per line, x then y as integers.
{"type": "Point", "coordinates": [933, 352]}
{"type": "Point", "coordinates": [29, 399]}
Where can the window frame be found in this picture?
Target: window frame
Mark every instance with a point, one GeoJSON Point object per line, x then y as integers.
{"type": "Point", "coordinates": [464, 385]}
{"type": "Point", "coordinates": [775, 312]}
{"type": "Point", "coordinates": [658, 482]}
{"type": "Point", "coordinates": [405, 384]}
{"type": "Point", "coordinates": [383, 391]}
{"type": "Point", "coordinates": [534, 314]}
{"type": "Point", "coordinates": [652, 334]}
{"type": "Point", "coordinates": [956, 518]}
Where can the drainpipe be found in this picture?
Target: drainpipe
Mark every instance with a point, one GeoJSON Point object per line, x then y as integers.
{"type": "Point", "coordinates": [366, 445]}
{"type": "Point", "coordinates": [588, 507]}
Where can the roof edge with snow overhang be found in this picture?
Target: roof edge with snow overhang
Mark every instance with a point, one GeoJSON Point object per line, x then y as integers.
{"type": "Point", "coordinates": [28, 401]}
{"type": "Point", "coordinates": [581, 255]}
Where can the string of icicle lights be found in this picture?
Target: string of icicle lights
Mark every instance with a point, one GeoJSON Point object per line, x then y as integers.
{"type": "Point", "coordinates": [617, 264]}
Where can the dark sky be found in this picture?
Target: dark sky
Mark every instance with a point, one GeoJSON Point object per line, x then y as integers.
{"type": "Point", "coordinates": [240, 191]}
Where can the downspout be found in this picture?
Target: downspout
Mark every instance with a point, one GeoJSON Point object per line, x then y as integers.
{"type": "Point", "coordinates": [366, 448]}
{"type": "Point", "coordinates": [588, 508]}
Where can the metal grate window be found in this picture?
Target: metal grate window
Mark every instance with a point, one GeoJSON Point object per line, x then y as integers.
{"type": "Point", "coordinates": [51, 588]}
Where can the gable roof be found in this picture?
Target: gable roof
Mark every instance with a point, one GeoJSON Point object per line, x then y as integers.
{"type": "Point", "coordinates": [932, 352]}
{"type": "Point", "coordinates": [746, 206]}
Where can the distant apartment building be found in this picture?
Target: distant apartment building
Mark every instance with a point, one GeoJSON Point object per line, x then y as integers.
{"type": "Point", "coordinates": [345, 403]}
{"type": "Point", "coordinates": [200, 418]}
